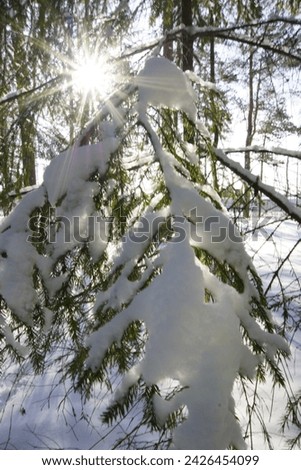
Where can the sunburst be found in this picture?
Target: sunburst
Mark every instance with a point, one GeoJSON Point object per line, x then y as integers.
{"type": "Point", "coordinates": [93, 75]}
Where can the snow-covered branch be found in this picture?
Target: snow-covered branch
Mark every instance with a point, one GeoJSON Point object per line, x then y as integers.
{"type": "Point", "coordinates": [20, 94]}
{"type": "Point", "coordinates": [228, 33]}
{"type": "Point", "coordinates": [254, 181]}
{"type": "Point", "coordinates": [260, 149]}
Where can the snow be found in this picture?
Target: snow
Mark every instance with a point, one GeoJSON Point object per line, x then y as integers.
{"type": "Point", "coordinates": [9, 96]}
{"type": "Point", "coordinates": [212, 225]}
{"type": "Point", "coordinates": [99, 237]}
{"type": "Point", "coordinates": [29, 414]}
{"type": "Point", "coordinates": [136, 239]}
{"type": "Point", "coordinates": [16, 282]}
{"type": "Point", "coordinates": [10, 341]}
{"type": "Point", "coordinates": [73, 167]}
{"type": "Point", "coordinates": [267, 251]}
{"type": "Point", "coordinates": [66, 177]}
{"type": "Point", "coordinates": [203, 83]}
{"type": "Point", "coordinates": [17, 220]}
{"type": "Point", "coordinates": [186, 338]}
{"type": "Point", "coordinates": [162, 83]}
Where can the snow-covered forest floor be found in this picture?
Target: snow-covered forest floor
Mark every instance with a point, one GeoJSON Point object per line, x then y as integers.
{"type": "Point", "coordinates": [39, 413]}
{"type": "Point", "coordinates": [267, 247]}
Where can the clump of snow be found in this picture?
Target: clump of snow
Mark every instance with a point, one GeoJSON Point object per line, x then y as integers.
{"type": "Point", "coordinates": [190, 152]}
{"type": "Point", "coordinates": [99, 236]}
{"type": "Point", "coordinates": [162, 83]}
{"type": "Point", "coordinates": [65, 178]}
{"type": "Point", "coordinates": [69, 169]}
{"type": "Point", "coordinates": [196, 343]}
{"type": "Point", "coordinates": [10, 340]}
{"type": "Point", "coordinates": [203, 83]}
{"type": "Point", "coordinates": [139, 236]}
{"type": "Point", "coordinates": [16, 268]}
{"type": "Point", "coordinates": [17, 220]}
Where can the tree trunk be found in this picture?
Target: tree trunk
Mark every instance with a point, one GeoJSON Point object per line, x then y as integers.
{"type": "Point", "coordinates": [187, 59]}
{"type": "Point", "coordinates": [26, 120]}
{"type": "Point", "coordinates": [27, 131]}
{"type": "Point", "coordinates": [187, 41]}
{"type": "Point", "coordinates": [213, 113]}
{"type": "Point", "coordinates": [250, 131]}
{"type": "Point", "coordinates": [168, 24]}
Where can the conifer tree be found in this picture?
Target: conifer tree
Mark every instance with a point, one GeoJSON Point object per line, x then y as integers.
{"type": "Point", "coordinates": [139, 270]}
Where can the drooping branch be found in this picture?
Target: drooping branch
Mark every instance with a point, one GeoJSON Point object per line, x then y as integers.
{"type": "Point", "coordinates": [255, 182]}
{"type": "Point", "coordinates": [260, 149]}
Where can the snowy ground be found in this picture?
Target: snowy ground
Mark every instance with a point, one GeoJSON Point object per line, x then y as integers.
{"type": "Point", "coordinates": [34, 413]}
{"type": "Point", "coordinates": [266, 253]}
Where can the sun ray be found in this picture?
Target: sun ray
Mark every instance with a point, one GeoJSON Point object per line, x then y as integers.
{"type": "Point", "coordinates": [93, 75]}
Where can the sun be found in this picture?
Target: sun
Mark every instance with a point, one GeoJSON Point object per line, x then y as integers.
{"type": "Point", "coordinates": [93, 75]}
{"type": "Point", "coordinates": [93, 79]}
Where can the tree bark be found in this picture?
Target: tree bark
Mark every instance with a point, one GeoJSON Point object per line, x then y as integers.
{"type": "Point", "coordinates": [249, 137]}
{"type": "Point", "coordinates": [187, 40]}
{"type": "Point", "coordinates": [26, 120]}
{"type": "Point", "coordinates": [187, 58]}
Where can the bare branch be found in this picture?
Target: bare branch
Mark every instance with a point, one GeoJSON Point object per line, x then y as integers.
{"type": "Point", "coordinates": [261, 43]}
{"type": "Point", "coordinates": [280, 266]}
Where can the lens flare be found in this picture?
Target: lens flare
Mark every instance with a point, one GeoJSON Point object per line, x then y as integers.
{"type": "Point", "coordinates": [93, 75]}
